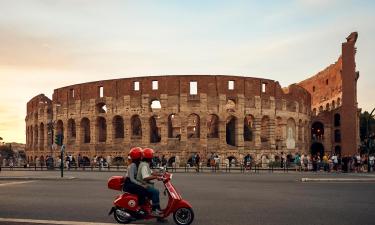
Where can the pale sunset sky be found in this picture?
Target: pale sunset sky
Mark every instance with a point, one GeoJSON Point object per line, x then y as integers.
{"type": "Point", "coordinates": [50, 44]}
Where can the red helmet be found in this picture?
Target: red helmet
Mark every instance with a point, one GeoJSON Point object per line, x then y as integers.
{"type": "Point", "coordinates": [148, 153]}
{"type": "Point", "coordinates": [135, 153]}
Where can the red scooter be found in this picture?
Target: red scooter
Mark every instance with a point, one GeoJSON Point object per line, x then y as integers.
{"type": "Point", "coordinates": [126, 208]}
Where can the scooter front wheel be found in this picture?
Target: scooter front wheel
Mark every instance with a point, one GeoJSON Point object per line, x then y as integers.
{"type": "Point", "coordinates": [122, 216]}
{"type": "Point", "coordinates": [183, 216]}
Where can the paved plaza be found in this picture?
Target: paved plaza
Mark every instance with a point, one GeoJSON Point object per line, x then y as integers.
{"type": "Point", "coordinates": [217, 198]}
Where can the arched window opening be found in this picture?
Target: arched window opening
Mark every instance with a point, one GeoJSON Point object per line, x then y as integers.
{"type": "Point", "coordinates": [118, 126]}
{"type": "Point", "coordinates": [155, 104]}
{"type": "Point", "coordinates": [337, 136]}
{"type": "Point", "coordinates": [136, 127]}
{"type": "Point", "coordinates": [101, 108]}
{"type": "Point", "coordinates": [154, 130]}
{"type": "Point", "coordinates": [174, 126]}
{"type": "Point", "coordinates": [212, 126]}
{"type": "Point", "coordinates": [231, 105]}
{"type": "Point", "coordinates": [60, 128]}
{"type": "Point", "coordinates": [337, 120]}
{"type": "Point", "coordinates": [85, 130]}
{"type": "Point", "coordinates": [231, 131]}
{"type": "Point", "coordinates": [248, 128]}
{"type": "Point", "coordinates": [327, 107]}
{"type": "Point", "coordinates": [314, 112]}
{"type": "Point", "coordinates": [101, 126]}
{"type": "Point", "coordinates": [41, 131]}
{"type": "Point", "coordinates": [71, 129]}
{"type": "Point", "coordinates": [317, 131]}
{"type": "Point", "coordinates": [193, 127]}
{"type": "Point", "coordinates": [320, 109]}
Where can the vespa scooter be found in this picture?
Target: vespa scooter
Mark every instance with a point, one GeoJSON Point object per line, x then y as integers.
{"type": "Point", "coordinates": [126, 208]}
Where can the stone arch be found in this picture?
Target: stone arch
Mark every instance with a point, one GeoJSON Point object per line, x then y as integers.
{"type": "Point", "coordinates": [212, 126]}
{"type": "Point", "coordinates": [248, 128]}
{"type": "Point", "coordinates": [136, 127]}
{"type": "Point", "coordinates": [317, 131]}
{"type": "Point", "coordinates": [118, 126]}
{"type": "Point", "coordinates": [265, 129]}
{"type": "Point", "coordinates": [320, 109]}
{"type": "Point", "coordinates": [59, 127]}
{"type": "Point", "coordinates": [337, 120]}
{"type": "Point", "coordinates": [174, 126]}
{"type": "Point", "coordinates": [291, 134]}
{"type": "Point", "coordinates": [193, 128]}
{"type": "Point", "coordinates": [231, 130]}
{"type": "Point", "coordinates": [155, 136]}
{"type": "Point", "coordinates": [72, 129]}
{"type": "Point", "coordinates": [333, 104]}
{"type": "Point", "coordinates": [314, 112]}
{"type": "Point", "coordinates": [101, 129]}
{"type": "Point", "coordinates": [41, 139]}
{"type": "Point", "coordinates": [85, 130]}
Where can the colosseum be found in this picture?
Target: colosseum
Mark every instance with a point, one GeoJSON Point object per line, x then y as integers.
{"type": "Point", "coordinates": [231, 116]}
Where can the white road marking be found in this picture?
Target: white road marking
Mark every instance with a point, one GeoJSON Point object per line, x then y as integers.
{"type": "Point", "coordinates": [18, 182]}
{"type": "Point", "coordinates": [54, 222]}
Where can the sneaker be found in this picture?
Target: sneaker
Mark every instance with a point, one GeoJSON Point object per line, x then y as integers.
{"type": "Point", "coordinates": [156, 212]}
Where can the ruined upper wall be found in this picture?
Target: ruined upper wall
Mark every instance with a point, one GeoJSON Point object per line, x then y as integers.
{"type": "Point", "coordinates": [37, 102]}
{"type": "Point", "coordinates": [326, 86]}
{"type": "Point", "coordinates": [212, 85]}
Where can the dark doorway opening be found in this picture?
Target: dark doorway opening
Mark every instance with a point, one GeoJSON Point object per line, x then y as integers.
{"type": "Point", "coordinates": [317, 148]}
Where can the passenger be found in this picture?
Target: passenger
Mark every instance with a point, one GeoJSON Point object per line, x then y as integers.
{"type": "Point", "coordinates": [145, 176]}
{"type": "Point", "coordinates": [131, 184]}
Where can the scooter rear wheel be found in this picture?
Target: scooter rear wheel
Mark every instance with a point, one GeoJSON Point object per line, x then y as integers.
{"type": "Point", "coordinates": [121, 217]}
{"type": "Point", "coordinates": [183, 216]}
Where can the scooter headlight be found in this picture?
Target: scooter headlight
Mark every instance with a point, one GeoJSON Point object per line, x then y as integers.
{"type": "Point", "coordinates": [171, 177]}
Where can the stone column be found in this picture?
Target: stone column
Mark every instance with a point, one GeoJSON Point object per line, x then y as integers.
{"type": "Point", "coordinates": [145, 130]}
{"type": "Point", "coordinates": [127, 129]}
{"type": "Point", "coordinates": [239, 134]}
{"type": "Point", "coordinates": [110, 131]}
{"type": "Point", "coordinates": [272, 127]}
{"type": "Point", "coordinates": [257, 130]}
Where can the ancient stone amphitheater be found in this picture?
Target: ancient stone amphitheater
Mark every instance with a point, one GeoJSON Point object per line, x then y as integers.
{"type": "Point", "coordinates": [176, 115]}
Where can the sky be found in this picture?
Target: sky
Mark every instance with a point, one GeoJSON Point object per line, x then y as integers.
{"type": "Point", "coordinates": [50, 44]}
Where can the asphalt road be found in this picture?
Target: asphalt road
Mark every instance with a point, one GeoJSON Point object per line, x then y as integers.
{"type": "Point", "coordinates": [218, 199]}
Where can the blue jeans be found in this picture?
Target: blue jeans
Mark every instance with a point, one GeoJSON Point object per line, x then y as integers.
{"type": "Point", "coordinates": [154, 193]}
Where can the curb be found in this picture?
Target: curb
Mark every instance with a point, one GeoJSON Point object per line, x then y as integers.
{"type": "Point", "coordinates": [37, 178]}
{"type": "Point", "coordinates": [337, 179]}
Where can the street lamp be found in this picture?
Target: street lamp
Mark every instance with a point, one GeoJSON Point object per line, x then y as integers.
{"type": "Point", "coordinates": [368, 140]}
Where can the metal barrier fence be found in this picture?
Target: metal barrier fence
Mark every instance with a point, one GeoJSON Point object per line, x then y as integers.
{"type": "Point", "coordinates": [223, 168]}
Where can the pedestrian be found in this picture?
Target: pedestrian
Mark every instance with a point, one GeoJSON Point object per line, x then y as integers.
{"type": "Point", "coordinates": [297, 162]}
{"type": "Point", "coordinates": [197, 161]}
{"type": "Point", "coordinates": [371, 162]}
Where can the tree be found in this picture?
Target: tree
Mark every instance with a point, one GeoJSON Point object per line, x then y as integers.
{"type": "Point", "coordinates": [363, 131]}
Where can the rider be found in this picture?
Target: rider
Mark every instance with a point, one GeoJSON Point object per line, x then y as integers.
{"type": "Point", "coordinates": [132, 185]}
{"type": "Point", "coordinates": [145, 176]}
